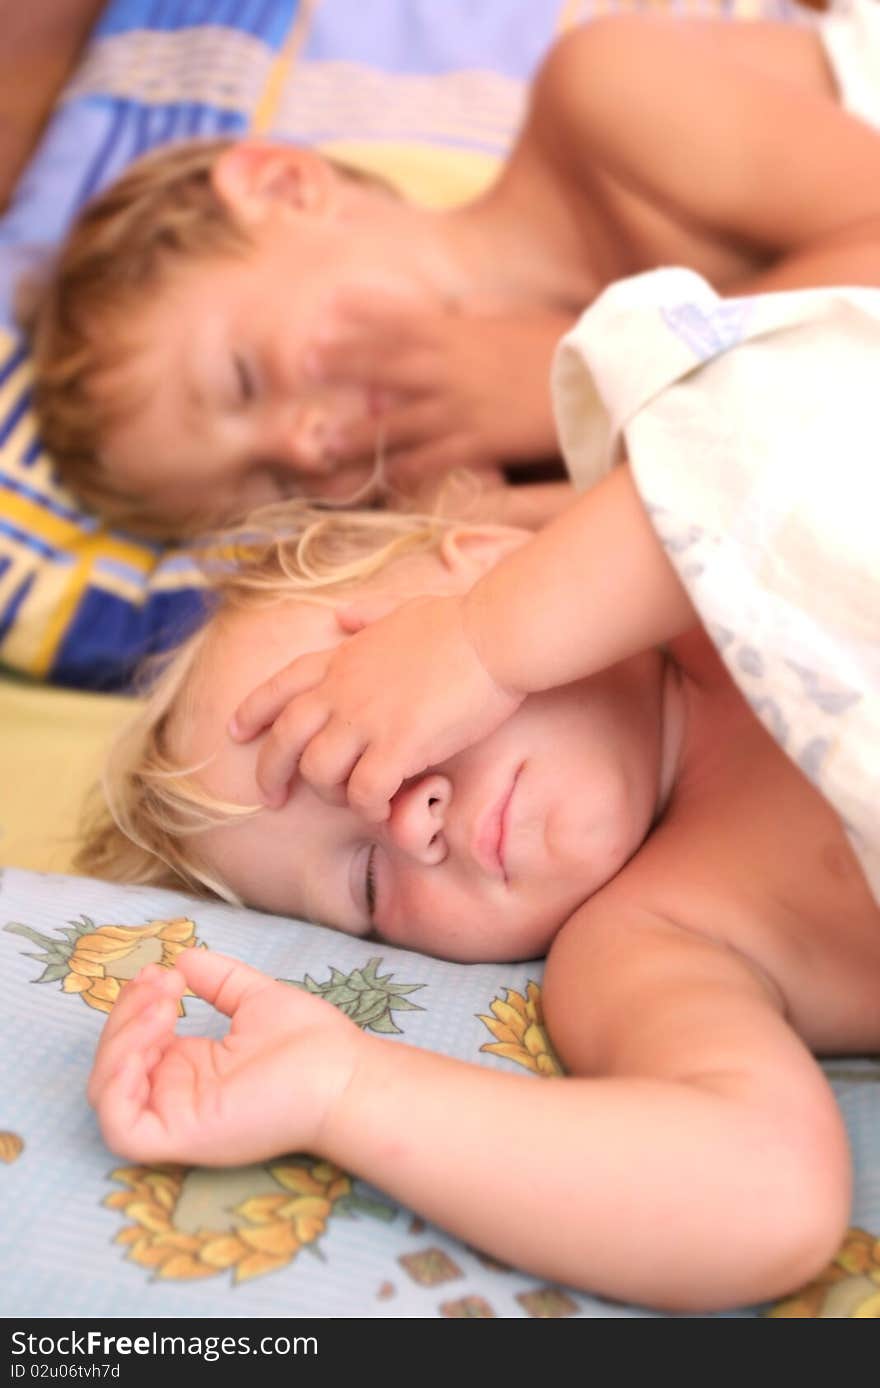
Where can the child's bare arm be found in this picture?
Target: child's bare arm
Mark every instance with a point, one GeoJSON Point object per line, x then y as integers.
{"type": "Point", "coordinates": [429, 679]}
{"type": "Point", "coordinates": [663, 109]}
{"type": "Point", "coordinates": [624, 1184]}
{"type": "Point", "coordinates": [737, 1116]}
{"type": "Point", "coordinates": [592, 587]}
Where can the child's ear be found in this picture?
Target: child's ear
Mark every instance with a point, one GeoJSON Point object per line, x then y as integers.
{"type": "Point", "coordinates": [470, 550]}
{"type": "Point", "coordinates": [255, 179]}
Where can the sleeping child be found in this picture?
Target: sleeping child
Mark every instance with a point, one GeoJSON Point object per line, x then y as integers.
{"type": "Point", "coordinates": [231, 323]}
{"type": "Point", "coordinates": [485, 744]}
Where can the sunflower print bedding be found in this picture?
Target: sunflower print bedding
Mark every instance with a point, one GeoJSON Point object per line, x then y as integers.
{"type": "Point", "coordinates": [294, 1236]}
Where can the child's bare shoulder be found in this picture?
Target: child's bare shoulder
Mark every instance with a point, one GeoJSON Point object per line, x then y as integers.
{"type": "Point", "coordinates": [750, 869]}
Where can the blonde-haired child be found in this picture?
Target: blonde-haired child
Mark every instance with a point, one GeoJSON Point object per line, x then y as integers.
{"type": "Point", "coordinates": [537, 779]}
{"type": "Point", "coordinates": [147, 817]}
{"type": "Point", "coordinates": [230, 323]}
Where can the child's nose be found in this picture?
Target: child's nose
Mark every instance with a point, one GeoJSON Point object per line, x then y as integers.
{"type": "Point", "coordinates": [307, 432]}
{"type": "Point", "coordinates": [418, 818]}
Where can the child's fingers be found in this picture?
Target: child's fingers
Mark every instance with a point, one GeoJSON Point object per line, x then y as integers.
{"type": "Point", "coordinates": [222, 981]}
{"type": "Point", "coordinates": [287, 739]}
{"type": "Point", "coordinates": [400, 426]}
{"type": "Point", "coordinates": [374, 310]}
{"type": "Point", "coordinates": [374, 339]}
{"type": "Point", "coordinates": [147, 1030]}
{"type": "Point", "coordinates": [374, 782]}
{"type": "Point", "coordinates": [263, 705]}
{"type": "Point", "coordinates": [361, 361]}
{"type": "Point", "coordinates": [127, 1124]}
{"type": "Point", "coordinates": [151, 983]}
{"type": "Point", "coordinates": [327, 761]}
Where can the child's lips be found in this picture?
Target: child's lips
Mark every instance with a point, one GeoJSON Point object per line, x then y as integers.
{"type": "Point", "coordinates": [489, 847]}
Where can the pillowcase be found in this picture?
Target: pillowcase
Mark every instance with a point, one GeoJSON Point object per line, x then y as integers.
{"type": "Point", "coordinates": [163, 1241]}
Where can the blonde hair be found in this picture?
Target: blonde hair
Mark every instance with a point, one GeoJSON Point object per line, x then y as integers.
{"type": "Point", "coordinates": [160, 213]}
{"type": "Point", "coordinates": [147, 814]}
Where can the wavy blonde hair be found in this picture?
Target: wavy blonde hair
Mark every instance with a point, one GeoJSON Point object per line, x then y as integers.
{"type": "Point", "coordinates": [146, 816]}
{"type": "Point", "coordinates": [162, 212]}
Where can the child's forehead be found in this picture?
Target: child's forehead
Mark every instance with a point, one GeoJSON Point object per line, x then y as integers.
{"type": "Point", "coordinates": [242, 648]}
{"type": "Point", "coordinates": [246, 645]}
{"type": "Point", "coordinates": [246, 641]}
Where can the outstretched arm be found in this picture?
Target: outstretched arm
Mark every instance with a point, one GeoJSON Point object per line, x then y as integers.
{"type": "Point", "coordinates": [623, 1185]}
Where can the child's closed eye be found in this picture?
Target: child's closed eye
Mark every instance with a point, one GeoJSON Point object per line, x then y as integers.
{"type": "Point", "coordinates": [370, 883]}
{"type": "Point", "coordinates": [245, 380]}
{"type": "Point", "coordinates": [363, 885]}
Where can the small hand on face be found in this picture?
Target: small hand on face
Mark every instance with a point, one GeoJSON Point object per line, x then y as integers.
{"type": "Point", "coordinates": [403, 693]}
{"type": "Point", "coordinates": [452, 389]}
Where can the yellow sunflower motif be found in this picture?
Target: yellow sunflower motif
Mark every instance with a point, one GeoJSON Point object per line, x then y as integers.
{"type": "Point", "coordinates": [517, 1023]}
{"type": "Point", "coordinates": [190, 1223]}
{"type": "Point", "coordinates": [97, 961]}
{"type": "Point", "coordinates": [849, 1288]}
{"type": "Point", "coordinates": [11, 1147]}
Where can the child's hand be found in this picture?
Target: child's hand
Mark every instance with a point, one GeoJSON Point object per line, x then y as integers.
{"type": "Point", "coordinates": [451, 389]}
{"type": "Point", "coordinates": [265, 1088]}
{"type": "Point", "coordinates": [399, 696]}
